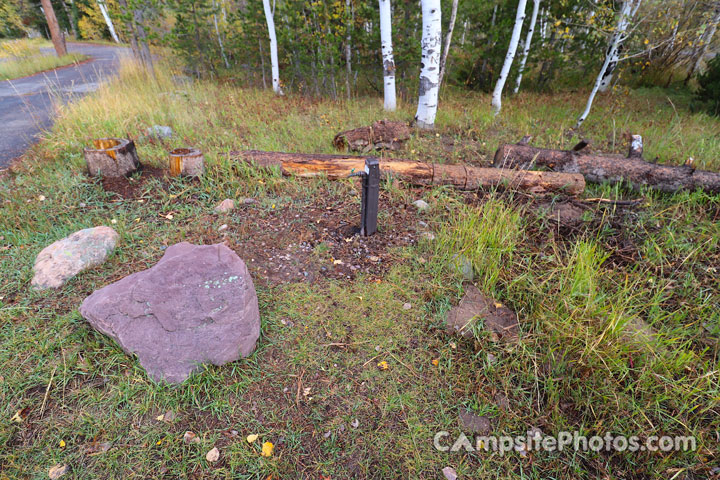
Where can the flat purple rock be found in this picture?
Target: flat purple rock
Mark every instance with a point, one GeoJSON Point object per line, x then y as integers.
{"type": "Point", "coordinates": [197, 305]}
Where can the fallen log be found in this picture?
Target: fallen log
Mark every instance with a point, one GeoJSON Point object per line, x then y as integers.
{"type": "Point", "coordinates": [382, 135]}
{"type": "Point", "coordinates": [599, 168]}
{"type": "Point", "coordinates": [464, 177]}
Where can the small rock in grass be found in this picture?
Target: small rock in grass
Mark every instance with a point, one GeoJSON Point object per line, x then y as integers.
{"type": "Point", "coordinates": [421, 205]}
{"type": "Point", "coordinates": [160, 131]}
{"type": "Point", "coordinates": [422, 224]}
{"type": "Point", "coordinates": [213, 455]}
{"type": "Point", "coordinates": [470, 422]}
{"type": "Point", "coordinates": [450, 473]}
{"type": "Point", "coordinates": [355, 423]}
{"type": "Point", "coordinates": [64, 259]}
{"type": "Point", "coordinates": [429, 236]}
{"type": "Point", "coordinates": [407, 306]}
{"type": "Point", "coordinates": [248, 201]}
{"type": "Point", "coordinates": [225, 206]}
{"type": "Point", "coordinates": [190, 437]}
{"type": "Point", "coordinates": [474, 306]}
{"type": "Point", "coordinates": [57, 471]}
{"type": "Point", "coordinates": [462, 266]}
{"type": "Point", "coordinates": [222, 227]}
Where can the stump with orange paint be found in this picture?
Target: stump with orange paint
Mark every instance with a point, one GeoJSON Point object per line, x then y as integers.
{"type": "Point", "coordinates": [111, 157]}
{"type": "Point", "coordinates": [187, 162]}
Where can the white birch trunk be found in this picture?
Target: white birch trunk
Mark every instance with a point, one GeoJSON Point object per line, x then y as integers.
{"type": "Point", "coordinates": [108, 20]}
{"type": "Point", "coordinates": [512, 48]}
{"type": "Point", "coordinates": [273, 47]}
{"type": "Point", "coordinates": [431, 43]}
{"type": "Point", "coordinates": [387, 55]}
{"type": "Point", "coordinates": [219, 38]}
{"type": "Point", "coordinates": [448, 39]}
{"type": "Point", "coordinates": [528, 39]}
{"type": "Point", "coordinates": [705, 42]}
{"type": "Point", "coordinates": [628, 10]}
{"type": "Point", "coordinates": [348, 47]}
{"type": "Point", "coordinates": [626, 13]}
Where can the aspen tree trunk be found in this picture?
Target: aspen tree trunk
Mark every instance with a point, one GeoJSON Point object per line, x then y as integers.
{"type": "Point", "coordinates": [143, 48]}
{"type": "Point", "coordinates": [348, 46]}
{"type": "Point", "coordinates": [431, 44]}
{"type": "Point", "coordinates": [613, 53]}
{"type": "Point", "coordinates": [273, 47]}
{"type": "Point", "coordinates": [626, 13]}
{"type": "Point", "coordinates": [705, 42]}
{"type": "Point", "coordinates": [108, 20]}
{"type": "Point", "coordinates": [526, 50]}
{"type": "Point", "coordinates": [387, 56]}
{"type": "Point", "coordinates": [57, 36]}
{"type": "Point", "coordinates": [490, 43]}
{"type": "Point", "coordinates": [219, 37]}
{"type": "Point", "coordinates": [512, 48]}
{"type": "Point", "coordinates": [130, 25]}
{"type": "Point", "coordinates": [448, 39]}
{"type": "Point", "coordinates": [71, 18]}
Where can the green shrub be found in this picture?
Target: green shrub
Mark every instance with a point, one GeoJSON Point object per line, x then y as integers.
{"type": "Point", "coordinates": [709, 92]}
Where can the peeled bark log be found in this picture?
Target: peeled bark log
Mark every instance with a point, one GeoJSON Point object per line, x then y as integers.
{"type": "Point", "coordinates": [382, 135]}
{"type": "Point", "coordinates": [111, 157]}
{"type": "Point", "coordinates": [609, 168]}
{"type": "Point", "coordinates": [460, 176]}
{"type": "Point", "coordinates": [188, 162]}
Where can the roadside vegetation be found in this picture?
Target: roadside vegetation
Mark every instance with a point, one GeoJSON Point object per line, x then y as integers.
{"type": "Point", "coordinates": [22, 57]}
{"type": "Point", "coordinates": [618, 305]}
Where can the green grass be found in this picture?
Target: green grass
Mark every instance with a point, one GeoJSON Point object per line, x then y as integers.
{"type": "Point", "coordinates": [16, 68]}
{"type": "Point", "coordinates": [579, 292]}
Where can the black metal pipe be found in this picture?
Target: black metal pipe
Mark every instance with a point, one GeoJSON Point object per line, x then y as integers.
{"type": "Point", "coordinates": [370, 196]}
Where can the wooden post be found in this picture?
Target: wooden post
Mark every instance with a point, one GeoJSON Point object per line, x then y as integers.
{"type": "Point", "coordinates": [56, 34]}
{"type": "Point", "coordinates": [188, 162]}
{"type": "Point", "coordinates": [111, 157]}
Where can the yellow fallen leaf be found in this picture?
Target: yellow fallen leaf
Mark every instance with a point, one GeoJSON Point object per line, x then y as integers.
{"type": "Point", "coordinates": [498, 305]}
{"type": "Point", "coordinates": [159, 442]}
{"type": "Point", "coordinates": [251, 438]}
{"type": "Point", "coordinates": [213, 455]}
{"type": "Point", "coordinates": [62, 443]}
{"type": "Point", "coordinates": [383, 365]}
{"type": "Point", "coordinates": [267, 449]}
{"type": "Point", "coordinates": [436, 362]}
{"type": "Point", "coordinates": [57, 471]}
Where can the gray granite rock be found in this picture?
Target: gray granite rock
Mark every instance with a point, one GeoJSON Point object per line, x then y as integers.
{"type": "Point", "coordinates": [64, 259]}
{"type": "Point", "coordinates": [196, 306]}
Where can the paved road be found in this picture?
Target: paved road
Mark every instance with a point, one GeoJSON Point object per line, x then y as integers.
{"type": "Point", "coordinates": [26, 104]}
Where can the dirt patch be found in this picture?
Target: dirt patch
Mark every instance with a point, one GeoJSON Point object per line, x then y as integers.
{"type": "Point", "coordinates": [132, 186]}
{"type": "Point", "coordinates": [320, 240]}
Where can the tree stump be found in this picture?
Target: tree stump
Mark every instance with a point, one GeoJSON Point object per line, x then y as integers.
{"type": "Point", "coordinates": [188, 162]}
{"type": "Point", "coordinates": [382, 135]}
{"type": "Point", "coordinates": [111, 157]}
